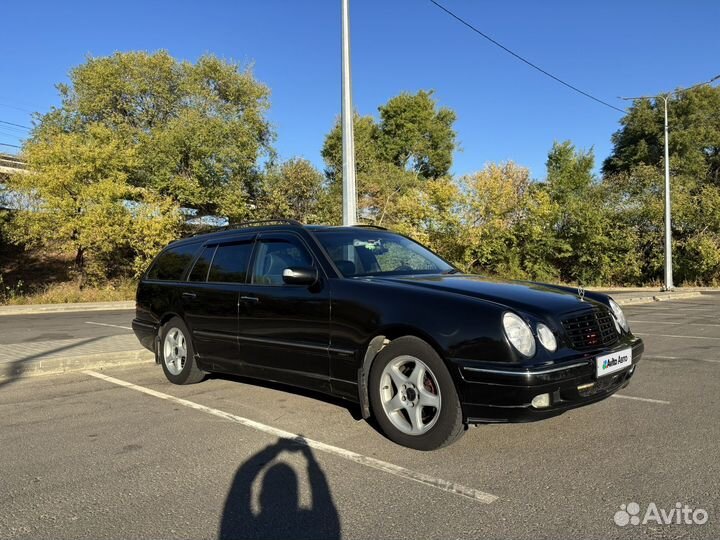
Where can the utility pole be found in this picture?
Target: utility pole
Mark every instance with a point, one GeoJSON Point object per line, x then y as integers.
{"type": "Point", "coordinates": [668, 285]}
{"type": "Point", "coordinates": [348, 143]}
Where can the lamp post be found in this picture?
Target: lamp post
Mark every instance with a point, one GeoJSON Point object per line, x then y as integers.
{"type": "Point", "coordinates": [668, 284]}
{"type": "Point", "coordinates": [348, 143]}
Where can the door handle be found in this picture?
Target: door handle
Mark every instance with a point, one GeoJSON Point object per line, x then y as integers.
{"type": "Point", "coordinates": [189, 295]}
{"type": "Point", "coordinates": [252, 299]}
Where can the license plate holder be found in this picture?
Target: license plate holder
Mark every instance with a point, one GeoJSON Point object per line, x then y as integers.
{"type": "Point", "coordinates": [613, 362]}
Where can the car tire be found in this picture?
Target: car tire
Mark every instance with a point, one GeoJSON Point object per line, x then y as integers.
{"type": "Point", "coordinates": [177, 354]}
{"type": "Point", "coordinates": [417, 409]}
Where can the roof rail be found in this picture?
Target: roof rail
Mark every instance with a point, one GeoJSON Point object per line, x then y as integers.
{"type": "Point", "coordinates": [259, 223]}
{"type": "Point", "coordinates": [370, 226]}
{"type": "Point", "coordinates": [246, 225]}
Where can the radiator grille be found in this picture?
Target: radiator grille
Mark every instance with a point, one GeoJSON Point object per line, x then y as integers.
{"type": "Point", "coordinates": [590, 330]}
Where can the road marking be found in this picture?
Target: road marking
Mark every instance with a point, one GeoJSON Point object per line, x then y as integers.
{"type": "Point", "coordinates": [680, 358]}
{"type": "Point", "coordinates": [676, 336]}
{"type": "Point", "coordinates": [654, 308]}
{"type": "Point", "coordinates": [659, 401]}
{"type": "Point", "coordinates": [438, 483]}
{"type": "Point", "coordinates": [105, 324]}
{"type": "Point", "coordinates": [667, 322]}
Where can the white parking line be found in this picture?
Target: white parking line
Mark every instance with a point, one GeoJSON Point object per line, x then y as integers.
{"type": "Point", "coordinates": [431, 481]}
{"type": "Point", "coordinates": [648, 400]}
{"type": "Point", "coordinates": [653, 309]}
{"type": "Point", "coordinates": [676, 336]}
{"type": "Point", "coordinates": [635, 321]}
{"type": "Point", "coordinates": [680, 358]}
{"type": "Point", "coordinates": [105, 324]}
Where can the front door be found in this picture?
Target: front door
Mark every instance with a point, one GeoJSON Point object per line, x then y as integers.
{"type": "Point", "coordinates": [211, 298]}
{"type": "Point", "coordinates": [285, 329]}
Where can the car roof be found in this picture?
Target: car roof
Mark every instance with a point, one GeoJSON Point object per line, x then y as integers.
{"type": "Point", "coordinates": [267, 225]}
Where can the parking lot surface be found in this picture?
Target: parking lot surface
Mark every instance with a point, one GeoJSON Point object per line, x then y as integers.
{"type": "Point", "coordinates": [123, 453]}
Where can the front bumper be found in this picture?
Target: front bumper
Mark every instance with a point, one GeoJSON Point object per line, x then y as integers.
{"type": "Point", "coordinates": [496, 392]}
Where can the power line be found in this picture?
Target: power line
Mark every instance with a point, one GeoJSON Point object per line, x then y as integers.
{"type": "Point", "coordinates": [525, 60]}
{"type": "Point", "coordinates": [7, 134]}
{"type": "Point", "coordinates": [674, 92]}
{"type": "Point", "coordinates": [14, 124]}
{"type": "Point", "coordinates": [10, 145]}
{"type": "Point", "coordinates": [16, 108]}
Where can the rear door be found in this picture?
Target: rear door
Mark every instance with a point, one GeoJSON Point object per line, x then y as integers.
{"type": "Point", "coordinates": [210, 301]}
{"type": "Point", "coordinates": [285, 329]}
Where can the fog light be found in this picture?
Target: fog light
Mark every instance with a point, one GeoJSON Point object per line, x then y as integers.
{"type": "Point", "coordinates": [541, 401]}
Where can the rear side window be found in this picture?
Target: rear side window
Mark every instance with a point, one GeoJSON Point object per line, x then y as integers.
{"type": "Point", "coordinates": [202, 265]}
{"type": "Point", "coordinates": [230, 263]}
{"type": "Point", "coordinates": [170, 265]}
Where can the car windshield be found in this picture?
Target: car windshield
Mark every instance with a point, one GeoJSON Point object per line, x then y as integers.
{"type": "Point", "coordinates": [379, 253]}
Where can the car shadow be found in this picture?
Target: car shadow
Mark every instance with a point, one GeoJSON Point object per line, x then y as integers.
{"type": "Point", "coordinates": [352, 408]}
{"type": "Point", "coordinates": [279, 514]}
{"type": "Point", "coordinates": [14, 370]}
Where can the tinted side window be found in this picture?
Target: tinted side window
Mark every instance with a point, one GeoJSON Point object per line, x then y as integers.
{"type": "Point", "coordinates": [275, 255]}
{"type": "Point", "coordinates": [171, 264]}
{"type": "Point", "coordinates": [231, 262]}
{"type": "Point", "coordinates": [202, 265]}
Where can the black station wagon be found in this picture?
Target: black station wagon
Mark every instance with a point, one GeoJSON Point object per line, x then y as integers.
{"type": "Point", "coordinates": [374, 317]}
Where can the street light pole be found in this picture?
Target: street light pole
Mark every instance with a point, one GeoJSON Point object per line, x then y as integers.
{"type": "Point", "coordinates": [668, 286]}
{"type": "Point", "coordinates": [348, 143]}
{"type": "Point", "coordinates": [668, 225]}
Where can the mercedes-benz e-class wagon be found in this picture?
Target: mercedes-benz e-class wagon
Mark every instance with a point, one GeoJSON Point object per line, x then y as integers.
{"type": "Point", "coordinates": [376, 318]}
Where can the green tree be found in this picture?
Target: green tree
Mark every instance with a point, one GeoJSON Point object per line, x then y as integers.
{"type": "Point", "coordinates": [633, 174]}
{"type": "Point", "coordinates": [694, 136]}
{"type": "Point", "coordinates": [591, 249]}
{"type": "Point", "coordinates": [432, 213]}
{"type": "Point", "coordinates": [76, 198]}
{"type": "Point", "coordinates": [495, 221]}
{"type": "Point", "coordinates": [137, 136]}
{"type": "Point", "coordinates": [416, 135]}
{"type": "Point", "coordinates": [292, 190]}
{"type": "Point", "coordinates": [413, 141]}
{"type": "Point", "coordinates": [509, 221]}
{"type": "Point", "coordinates": [197, 130]}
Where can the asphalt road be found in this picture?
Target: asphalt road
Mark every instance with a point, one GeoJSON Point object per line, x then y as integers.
{"type": "Point", "coordinates": [134, 456]}
{"type": "Point", "coordinates": [61, 326]}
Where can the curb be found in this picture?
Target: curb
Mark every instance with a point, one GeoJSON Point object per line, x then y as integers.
{"type": "Point", "coordinates": [660, 297]}
{"type": "Point", "coordinates": [53, 366]}
{"type": "Point", "coordinates": [30, 309]}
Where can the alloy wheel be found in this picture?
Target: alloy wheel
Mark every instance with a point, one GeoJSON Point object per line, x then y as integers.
{"type": "Point", "coordinates": [410, 395]}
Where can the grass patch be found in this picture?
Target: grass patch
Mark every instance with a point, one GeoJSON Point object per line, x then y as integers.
{"type": "Point", "coordinates": [41, 276]}
{"type": "Point", "coordinates": [69, 292]}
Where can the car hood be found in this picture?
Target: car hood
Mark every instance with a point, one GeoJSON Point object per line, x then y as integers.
{"type": "Point", "coordinates": [536, 298]}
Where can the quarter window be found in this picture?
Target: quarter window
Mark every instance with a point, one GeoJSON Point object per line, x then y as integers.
{"type": "Point", "coordinates": [202, 265]}
{"type": "Point", "coordinates": [170, 265]}
{"type": "Point", "coordinates": [230, 263]}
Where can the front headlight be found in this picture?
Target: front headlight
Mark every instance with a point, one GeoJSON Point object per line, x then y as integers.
{"type": "Point", "coordinates": [619, 315]}
{"type": "Point", "coordinates": [519, 334]}
{"type": "Point", "coordinates": [546, 337]}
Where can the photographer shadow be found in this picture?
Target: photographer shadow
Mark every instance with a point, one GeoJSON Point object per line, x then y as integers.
{"type": "Point", "coordinates": [280, 514]}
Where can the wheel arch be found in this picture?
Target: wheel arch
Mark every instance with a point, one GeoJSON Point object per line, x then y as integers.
{"type": "Point", "coordinates": [376, 344]}
{"type": "Point", "coordinates": [162, 321]}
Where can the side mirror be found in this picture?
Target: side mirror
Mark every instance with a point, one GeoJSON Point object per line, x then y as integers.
{"type": "Point", "coordinates": [300, 275]}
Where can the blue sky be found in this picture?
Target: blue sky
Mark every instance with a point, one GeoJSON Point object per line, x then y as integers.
{"type": "Point", "coordinates": [506, 111]}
